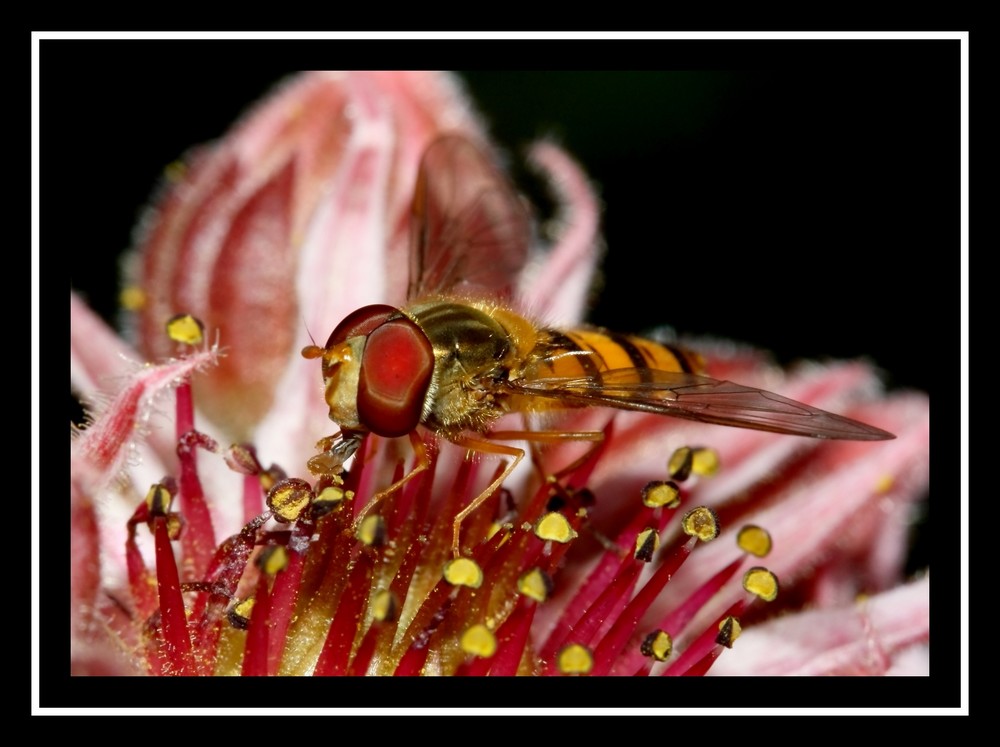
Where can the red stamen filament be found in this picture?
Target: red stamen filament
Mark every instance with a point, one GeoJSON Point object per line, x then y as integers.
{"type": "Point", "coordinates": [177, 642]}
{"type": "Point", "coordinates": [198, 542]}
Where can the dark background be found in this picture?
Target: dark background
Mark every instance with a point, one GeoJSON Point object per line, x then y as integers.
{"type": "Point", "coordinates": [800, 196]}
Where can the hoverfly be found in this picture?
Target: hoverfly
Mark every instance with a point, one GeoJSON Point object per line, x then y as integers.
{"type": "Point", "coordinates": [456, 357]}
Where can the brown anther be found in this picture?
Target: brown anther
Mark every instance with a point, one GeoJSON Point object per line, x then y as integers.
{"type": "Point", "coordinates": [762, 583]}
{"type": "Point", "coordinates": [646, 543]}
{"type": "Point", "coordinates": [702, 523]}
{"type": "Point", "coordinates": [657, 645]}
{"type": "Point", "coordinates": [311, 352]}
{"type": "Point", "coordinates": [239, 613]}
{"type": "Point", "coordinates": [680, 462]}
{"type": "Point", "coordinates": [242, 459]}
{"type": "Point", "coordinates": [158, 500]}
{"type": "Point", "coordinates": [271, 477]}
{"type": "Point", "coordinates": [729, 631]}
{"type": "Point", "coordinates": [288, 498]}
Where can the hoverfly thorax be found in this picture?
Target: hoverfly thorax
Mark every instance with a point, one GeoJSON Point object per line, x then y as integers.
{"type": "Point", "coordinates": [474, 355]}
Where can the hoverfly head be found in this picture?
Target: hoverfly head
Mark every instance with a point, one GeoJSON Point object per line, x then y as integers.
{"type": "Point", "coordinates": [377, 366]}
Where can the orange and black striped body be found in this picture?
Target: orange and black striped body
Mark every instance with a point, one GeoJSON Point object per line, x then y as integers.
{"type": "Point", "coordinates": [588, 353]}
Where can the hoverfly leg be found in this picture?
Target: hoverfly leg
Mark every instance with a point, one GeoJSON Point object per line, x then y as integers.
{"type": "Point", "coordinates": [334, 451]}
{"type": "Point", "coordinates": [421, 462]}
{"type": "Point", "coordinates": [596, 439]}
{"type": "Point", "coordinates": [483, 447]}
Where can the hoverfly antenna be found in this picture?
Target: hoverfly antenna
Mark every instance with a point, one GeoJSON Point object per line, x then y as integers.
{"type": "Point", "coordinates": [310, 352]}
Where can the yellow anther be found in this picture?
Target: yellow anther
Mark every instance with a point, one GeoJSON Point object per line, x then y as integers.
{"type": "Point", "coordinates": [384, 606]}
{"type": "Point", "coordinates": [186, 329]}
{"type": "Point", "coordinates": [535, 584]}
{"type": "Point", "coordinates": [270, 477]}
{"type": "Point", "coordinates": [554, 526]}
{"type": "Point", "coordinates": [330, 498]}
{"type": "Point", "coordinates": [479, 641]}
{"type": "Point", "coordinates": [661, 493]}
{"type": "Point", "coordinates": [754, 540]}
{"type": "Point", "coordinates": [575, 659]}
{"type": "Point", "coordinates": [762, 583]}
{"type": "Point", "coordinates": [272, 559]}
{"type": "Point", "coordinates": [132, 298]}
{"type": "Point", "coordinates": [704, 462]}
{"type": "Point", "coordinates": [463, 572]}
{"type": "Point", "coordinates": [174, 526]}
{"type": "Point", "coordinates": [175, 171]}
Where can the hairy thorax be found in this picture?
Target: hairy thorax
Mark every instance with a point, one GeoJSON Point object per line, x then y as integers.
{"type": "Point", "coordinates": [474, 356]}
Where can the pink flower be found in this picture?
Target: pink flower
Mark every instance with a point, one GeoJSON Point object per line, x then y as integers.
{"type": "Point", "coordinates": [297, 218]}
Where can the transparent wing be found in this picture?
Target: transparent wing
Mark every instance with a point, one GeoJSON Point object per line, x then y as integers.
{"type": "Point", "coordinates": [468, 227]}
{"type": "Point", "coordinates": [700, 398]}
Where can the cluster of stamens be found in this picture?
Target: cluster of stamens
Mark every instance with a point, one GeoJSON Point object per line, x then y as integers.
{"type": "Point", "coordinates": [305, 588]}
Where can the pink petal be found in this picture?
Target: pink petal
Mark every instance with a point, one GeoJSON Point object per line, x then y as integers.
{"type": "Point", "coordinates": [85, 554]}
{"type": "Point", "coordinates": [96, 353]}
{"type": "Point", "coordinates": [881, 635]}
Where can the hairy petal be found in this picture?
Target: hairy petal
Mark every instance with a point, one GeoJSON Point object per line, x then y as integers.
{"type": "Point", "coordinates": [99, 453]}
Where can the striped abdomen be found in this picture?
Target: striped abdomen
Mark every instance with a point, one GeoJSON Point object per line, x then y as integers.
{"type": "Point", "coordinates": [589, 353]}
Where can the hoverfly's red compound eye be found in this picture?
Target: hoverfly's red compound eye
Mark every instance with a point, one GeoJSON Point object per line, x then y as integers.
{"type": "Point", "coordinates": [396, 369]}
{"type": "Point", "coordinates": [361, 322]}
